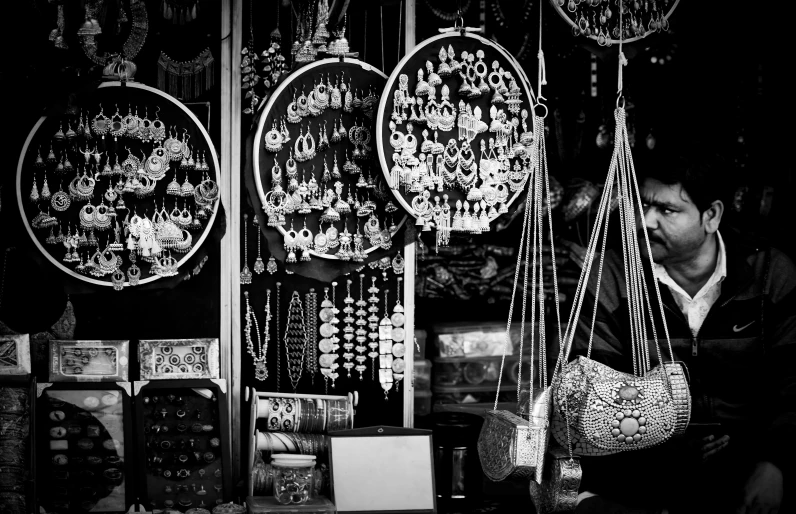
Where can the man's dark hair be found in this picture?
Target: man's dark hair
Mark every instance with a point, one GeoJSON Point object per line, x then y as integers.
{"type": "Point", "coordinates": [699, 172]}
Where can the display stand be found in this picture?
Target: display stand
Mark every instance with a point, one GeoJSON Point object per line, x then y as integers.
{"type": "Point", "coordinates": [85, 446]}
{"type": "Point", "coordinates": [257, 423]}
{"type": "Point", "coordinates": [97, 174]}
{"type": "Point", "coordinates": [185, 437]}
{"type": "Point", "coordinates": [392, 461]}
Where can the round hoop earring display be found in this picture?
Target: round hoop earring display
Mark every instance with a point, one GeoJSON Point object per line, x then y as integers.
{"type": "Point", "coordinates": [314, 163]}
{"type": "Point", "coordinates": [597, 21]}
{"type": "Point", "coordinates": [123, 193]}
{"type": "Point", "coordinates": [453, 134]}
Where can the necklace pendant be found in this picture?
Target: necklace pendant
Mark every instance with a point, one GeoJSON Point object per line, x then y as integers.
{"type": "Point", "coordinates": [260, 371]}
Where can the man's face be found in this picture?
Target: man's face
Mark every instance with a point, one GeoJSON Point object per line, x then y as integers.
{"type": "Point", "coordinates": [674, 224]}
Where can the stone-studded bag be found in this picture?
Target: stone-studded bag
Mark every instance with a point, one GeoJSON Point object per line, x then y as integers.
{"type": "Point", "coordinates": [511, 446]}
{"type": "Point", "coordinates": [558, 491]}
{"type": "Point", "coordinates": [611, 412]}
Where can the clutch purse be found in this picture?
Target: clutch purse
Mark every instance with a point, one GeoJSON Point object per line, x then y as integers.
{"type": "Point", "coordinates": [610, 412]}
{"type": "Point", "coordinates": [558, 490]}
{"type": "Point", "coordinates": [512, 446]}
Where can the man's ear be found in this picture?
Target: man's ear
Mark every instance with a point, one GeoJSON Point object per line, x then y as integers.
{"type": "Point", "coordinates": [711, 218]}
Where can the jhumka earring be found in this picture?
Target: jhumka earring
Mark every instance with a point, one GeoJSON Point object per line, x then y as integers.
{"type": "Point", "coordinates": [245, 273]}
{"type": "Point", "coordinates": [259, 265]}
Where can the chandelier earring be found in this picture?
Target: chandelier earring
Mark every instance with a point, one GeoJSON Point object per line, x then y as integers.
{"type": "Point", "coordinates": [273, 140]}
{"type": "Point", "coordinates": [309, 145]}
{"type": "Point", "coordinates": [245, 273]}
{"type": "Point", "coordinates": [117, 128]}
{"type": "Point", "coordinates": [304, 242]}
{"type": "Point", "coordinates": [100, 124]}
{"type": "Point", "coordinates": [291, 246]}
{"type": "Point", "coordinates": [299, 145]}
{"type": "Point", "coordinates": [302, 104]}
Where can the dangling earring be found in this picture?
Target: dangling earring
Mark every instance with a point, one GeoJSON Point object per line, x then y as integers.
{"type": "Point", "coordinates": [245, 273]}
{"type": "Point", "coordinates": [271, 266]}
{"type": "Point", "coordinates": [290, 244]}
{"type": "Point", "coordinates": [335, 170]}
{"type": "Point", "coordinates": [335, 138]}
{"type": "Point", "coordinates": [259, 265]}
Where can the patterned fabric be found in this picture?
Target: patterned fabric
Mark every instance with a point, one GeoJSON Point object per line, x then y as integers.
{"type": "Point", "coordinates": [696, 309]}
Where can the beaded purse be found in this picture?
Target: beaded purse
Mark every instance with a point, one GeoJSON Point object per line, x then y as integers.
{"type": "Point", "coordinates": [610, 412]}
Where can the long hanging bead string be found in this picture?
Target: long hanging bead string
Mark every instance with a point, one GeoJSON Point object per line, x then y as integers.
{"type": "Point", "coordinates": [257, 353]}
{"type": "Point", "coordinates": [278, 338]}
{"type": "Point", "coordinates": [348, 330]}
{"type": "Point", "coordinates": [361, 333]}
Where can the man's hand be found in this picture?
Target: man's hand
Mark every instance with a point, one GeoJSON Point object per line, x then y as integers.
{"type": "Point", "coordinates": [710, 446]}
{"type": "Point", "coordinates": [763, 491]}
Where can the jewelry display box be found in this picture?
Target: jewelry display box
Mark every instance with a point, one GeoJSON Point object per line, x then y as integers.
{"type": "Point", "coordinates": [83, 436]}
{"type": "Point", "coordinates": [89, 361]}
{"type": "Point", "coordinates": [293, 437]}
{"type": "Point", "coordinates": [163, 359]}
{"type": "Point", "coordinates": [15, 358]}
{"type": "Point", "coordinates": [184, 443]}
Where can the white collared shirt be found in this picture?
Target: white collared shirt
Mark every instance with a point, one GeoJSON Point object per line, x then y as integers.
{"type": "Point", "coordinates": [696, 309]}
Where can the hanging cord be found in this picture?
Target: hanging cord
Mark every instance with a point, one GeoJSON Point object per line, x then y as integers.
{"type": "Point", "coordinates": [622, 59]}
{"type": "Point", "coordinates": [381, 35]}
{"type": "Point", "coordinates": [542, 74]}
{"type": "Point", "coordinates": [400, 31]}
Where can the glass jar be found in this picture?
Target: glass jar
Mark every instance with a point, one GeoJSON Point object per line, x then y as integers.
{"type": "Point", "coordinates": [293, 477]}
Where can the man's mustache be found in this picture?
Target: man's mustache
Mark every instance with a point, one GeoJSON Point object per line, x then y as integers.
{"type": "Point", "coordinates": [651, 237]}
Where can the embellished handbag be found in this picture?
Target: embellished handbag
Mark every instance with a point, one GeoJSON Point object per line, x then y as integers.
{"type": "Point", "coordinates": [598, 410]}
{"type": "Point", "coordinates": [558, 490]}
{"type": "Point", "coordinates": [610, 412]}
{"type": "Point", "coordinates": [512, 446]}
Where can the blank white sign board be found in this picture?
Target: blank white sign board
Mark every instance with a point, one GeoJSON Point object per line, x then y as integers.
{"type": "Point", "coordinates": [385, 473]}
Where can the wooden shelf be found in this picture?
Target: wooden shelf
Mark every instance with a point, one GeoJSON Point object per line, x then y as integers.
{"type": "Point", "coordinates": [467, 388]}
{"type": "Point", "coordinates": [473, 408]}
{"type": "Point", "coordinates": [485, 358]}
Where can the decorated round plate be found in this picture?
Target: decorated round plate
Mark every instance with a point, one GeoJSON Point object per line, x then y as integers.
{"type": "Point", "coordinates": [453, 133]}
{"type": "Point", "coordinates": [315, 163]}
{"type": "Point", "coordinates": [87, 191]}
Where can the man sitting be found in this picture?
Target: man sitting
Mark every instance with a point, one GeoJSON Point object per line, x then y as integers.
{"type": "Point", "coordinates": [731, 316]}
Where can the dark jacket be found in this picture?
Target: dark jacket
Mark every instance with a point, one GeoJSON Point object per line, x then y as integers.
{"type": "Point", "coordinates": [741, 364]}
